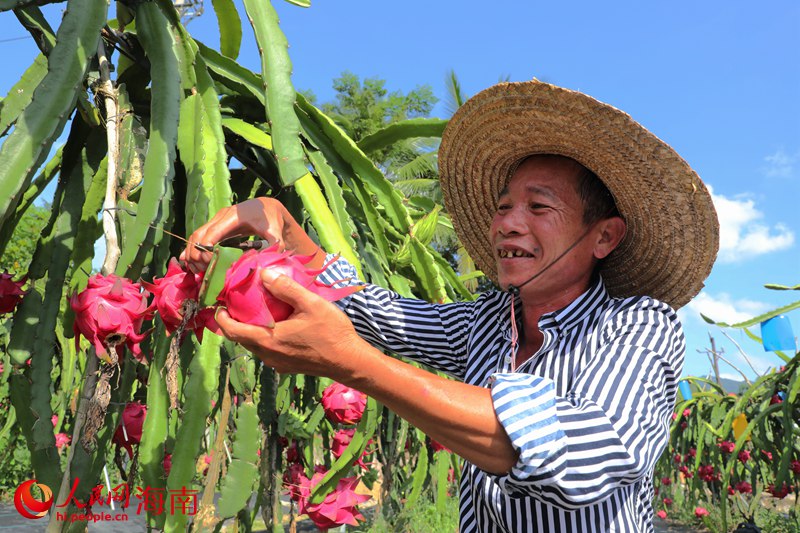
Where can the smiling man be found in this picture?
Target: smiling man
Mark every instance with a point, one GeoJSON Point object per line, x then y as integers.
{"type": "Point", "coordinates": [595, 231]}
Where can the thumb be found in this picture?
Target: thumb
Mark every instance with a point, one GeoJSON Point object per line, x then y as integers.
{"type": "Point", "coordinates": [286, 289]}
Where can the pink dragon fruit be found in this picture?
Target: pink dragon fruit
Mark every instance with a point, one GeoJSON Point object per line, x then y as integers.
{"type": "Point", "coordinates": [10, 292]}
{"type": "Point", "coordinates": [167, 463]}
{"type": "Point", "coordinates": [341, 439]}
{"type": "Point", "coordinates": [246, 298]}
{"type": "Point", "coordinates": [339, 507]}
{"type": "Point", "coordinates": [133, 419]}
{"type": "Point", "coordinates": [110, 312]}
{"type": "Point", "coordinates": [62, 439]}
{"type": "Point", "coordinates": [169, 293]}
{"type": "Point", "coordinates": [343, 405]}
{"type": "Point", "coordinates": [293, 477]}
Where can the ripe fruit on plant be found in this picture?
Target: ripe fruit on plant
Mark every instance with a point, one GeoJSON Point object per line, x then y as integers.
{"type": "Point", "coordinates": [129, 431]}
{"type": "Point", "coordinates": [343, 405]}
{"type": "Point", "coordinates": [171, 292]}
{"type": "Point", "coordinates": [10, 292]}
{"type": "Point", "coordinates": [109, 313]}
{"type": "Point", "coordinates": [338, 507]}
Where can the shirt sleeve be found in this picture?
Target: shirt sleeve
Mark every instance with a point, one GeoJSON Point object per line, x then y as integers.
{"type": "Point", "coordinates": [610, 428]}
{"type": "Point", "coordinates": [433, 334]}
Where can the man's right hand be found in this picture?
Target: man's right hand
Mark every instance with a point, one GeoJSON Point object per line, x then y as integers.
{"type": "Point", "coordinates": [264, 217]}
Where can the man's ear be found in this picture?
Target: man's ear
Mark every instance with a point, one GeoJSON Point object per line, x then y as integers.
{"type": "Point", "coordinates": [610, 232]}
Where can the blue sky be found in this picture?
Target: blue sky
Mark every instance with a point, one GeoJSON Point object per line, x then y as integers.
{"type": "Point", "coordinates": [719, 81]}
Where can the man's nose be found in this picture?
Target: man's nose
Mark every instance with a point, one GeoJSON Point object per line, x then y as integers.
{"type": "Point", "coordinates": [511, 223]}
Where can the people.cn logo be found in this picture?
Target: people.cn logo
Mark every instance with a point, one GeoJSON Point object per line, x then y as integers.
{"type": "Point", "coordinates": [26, 503]}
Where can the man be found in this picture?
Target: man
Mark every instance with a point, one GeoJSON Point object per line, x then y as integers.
{"type": "Point", "coordinates": [567, 376]}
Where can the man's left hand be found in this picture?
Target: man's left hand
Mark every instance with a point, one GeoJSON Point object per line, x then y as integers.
{"type": "Point", "coordinates": [314, 340]}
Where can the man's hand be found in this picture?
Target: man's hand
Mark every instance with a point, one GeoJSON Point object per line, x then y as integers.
{"type": "Point", "coordinates": [316, 339]}
{"type": "Point", "coordinates": [264, 217]}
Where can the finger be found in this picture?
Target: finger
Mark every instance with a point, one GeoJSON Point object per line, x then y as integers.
{"type": "Point", "coordinates": [244, 334]}
{"type": "Point", "coordinates": [286, 289]}
{"type": "Point", "coordinates": [274, 238]}
{"type": "Point", "coordinates": [197, 260]}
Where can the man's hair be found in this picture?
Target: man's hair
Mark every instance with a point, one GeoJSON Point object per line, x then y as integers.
{"type": "Point", "coordinates": [595, 197]}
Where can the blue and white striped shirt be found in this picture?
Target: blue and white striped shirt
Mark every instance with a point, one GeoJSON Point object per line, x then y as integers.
{"type": "Point", "coordinates": [589, 413]}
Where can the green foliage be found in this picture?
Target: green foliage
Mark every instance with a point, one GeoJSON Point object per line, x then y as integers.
{"type": "Point", "coordinates": [184, 110]}
{"type": "Point", "coordinates": [19, 251]}
{"type": "Point", "coordinates": [424, 515]}
{"type": "Point", "coordinates": [396, 131]}
{"type": "Point", "coordinates": [363, 108]}
{"type": "Point", "coordinates": [15, 466]}
{"type": "Point", "coordinates": [736, 454]}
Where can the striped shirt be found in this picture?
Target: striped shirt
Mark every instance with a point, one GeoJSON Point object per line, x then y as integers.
{"type": "Point", "coordinates": [589, 412]}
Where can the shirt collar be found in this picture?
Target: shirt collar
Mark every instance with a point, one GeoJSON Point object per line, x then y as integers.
{"type": "Point", "coordinates": [578, 310]}
{"type": "Point", "coordinates": [562, 319]}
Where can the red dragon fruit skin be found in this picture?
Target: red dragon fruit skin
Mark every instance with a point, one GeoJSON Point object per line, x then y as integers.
{"type": "Point", "coordinates": [343, 404]}
{"type": "Point", "coordinates": [338, 507]}
{"type": "Point", "coordinates": [248, 301]}
{"type": "Point", "coordinates": [169, 293]}
{"type": "Point", "coordinates": [133, 418]}
{"type": "Point", "coordinates": [110, 306]}
{"type": "Point", "coordinates": [10, 292]}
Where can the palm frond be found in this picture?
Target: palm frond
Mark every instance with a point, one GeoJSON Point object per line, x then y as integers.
{"type": "Point", "coordinates": [421, 166]}
{"type": "Point", "coordinates": [426, 187]}
{"type": "Point", "coordinates": [455, 98]}
{"type": "Point", "coordinates": [466, 266]}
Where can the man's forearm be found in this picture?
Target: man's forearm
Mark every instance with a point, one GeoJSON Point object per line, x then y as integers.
{"type": "Point", "coordinates": [458, 415]}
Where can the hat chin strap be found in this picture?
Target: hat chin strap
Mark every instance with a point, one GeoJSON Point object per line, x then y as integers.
{"type": "Point", "coordinates": [515, 289]}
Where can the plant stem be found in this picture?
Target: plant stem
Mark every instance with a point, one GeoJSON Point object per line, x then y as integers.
{"type": "Point", "coordinates": [89, 384]}
{"type": "Point", "coordinates": [107, 90]}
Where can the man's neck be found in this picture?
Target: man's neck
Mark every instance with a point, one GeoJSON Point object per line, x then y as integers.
{"type": "Point", "coordinates": [533, 309]}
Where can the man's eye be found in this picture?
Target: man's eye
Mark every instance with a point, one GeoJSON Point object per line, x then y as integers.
{"type": "Point", "coordinates": [503, 207]}
{"type": "Point", "coordinates": [538, 206]}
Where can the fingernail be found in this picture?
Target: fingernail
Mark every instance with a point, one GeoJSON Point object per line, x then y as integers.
{"type": "Point", "coordinates": [268, 275]}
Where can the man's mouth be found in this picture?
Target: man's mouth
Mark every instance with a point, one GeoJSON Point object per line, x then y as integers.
{"type": "Point", "coordinates": [504, 253]}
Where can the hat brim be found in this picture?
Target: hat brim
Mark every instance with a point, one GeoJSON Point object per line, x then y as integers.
{"type": "Point", "coordinates": [672, 227]}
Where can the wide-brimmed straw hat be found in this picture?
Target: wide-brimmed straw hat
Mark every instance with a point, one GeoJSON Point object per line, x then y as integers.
{"type": "Point", "coordinates": [672, 228]}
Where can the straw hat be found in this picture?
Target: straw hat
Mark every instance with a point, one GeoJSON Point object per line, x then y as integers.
{"type": "Point", "coordinates": [673, 232]}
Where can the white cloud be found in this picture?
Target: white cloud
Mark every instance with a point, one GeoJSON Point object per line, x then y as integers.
{"type": "Point", "coordinates": [742, 234]}
{"type": "Point", "coordinates": [780, 164]}
{"type": "Point", "coordinates": [723, 308]}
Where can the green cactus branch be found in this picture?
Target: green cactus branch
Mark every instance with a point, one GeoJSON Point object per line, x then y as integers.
{"type": "Point", "coordinates": [42, 121]}
{"type": "Point", "coordinates": [280, 94]}
{"type": "Point", "coordinates": [404, 129]}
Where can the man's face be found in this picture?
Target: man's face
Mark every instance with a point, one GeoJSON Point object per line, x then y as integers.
{"type": "Point", "coordinates": [539, 216]}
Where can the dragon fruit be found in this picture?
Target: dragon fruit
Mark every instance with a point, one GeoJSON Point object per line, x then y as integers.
{"type": "Point", "coordinates": [109, 313]}
{"type": "Point", "coordinates": [10, 292]}
{"type": "Point", "coordinates": [133, 421]}
{"type": "Point", "coordinates": [246, 298]}
{"type": "Point", "coordinates": [62, 439]}
{"type": "Point", "coordinates": [342, 404]}
{"type": "Point", "coordinates": [169, 294]}
{"type": "Point", "coordinates": [341, 439]}
{"type": "Point", "coordinates": [339, 507]}
{"type": "Point", "coordinates": [294, 475]}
